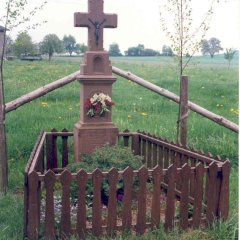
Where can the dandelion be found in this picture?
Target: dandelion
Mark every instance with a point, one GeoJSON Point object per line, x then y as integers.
{"type": "Point", "coordinates": [70, 108]}
{"type": "Point", "coordinates": [44, 104]}
{"type": "Point", "coordinates": [231, 110]}
{"type": "Point", "coordinates": [143, 114]}
{"type": "Point", "coordinates": [129, 116]}
{"type": "Point", "coordinates": [59, 117]}
{"type": "Point", "coordinates": [217, 105]}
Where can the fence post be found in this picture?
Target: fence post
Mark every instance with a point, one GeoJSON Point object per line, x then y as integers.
{"type": "Point", "coordinates": [33, 206]}
{"type": "Point", "coordinates": [224, 192]}
{"type": "Point", "coordinates": [3, 147]}
{"type": "Point", "coordinates": [136, 144]}
{"type": "Point", "coordinates": [51, 150]}
{"type": "Point", "coordinates": [183, 110]}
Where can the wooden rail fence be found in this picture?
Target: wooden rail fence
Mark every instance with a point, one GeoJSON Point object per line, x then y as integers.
{"type": "Point", "coordinates": [176, 186]}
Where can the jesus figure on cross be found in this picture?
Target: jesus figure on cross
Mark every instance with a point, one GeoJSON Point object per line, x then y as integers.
{"type": "Point", "coordinates": [97, 26]}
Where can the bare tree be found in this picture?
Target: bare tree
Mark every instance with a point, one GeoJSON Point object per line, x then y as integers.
{"type": "Point", "coordinates": [183, 33]}
{"type": "Point", "coordinates": [229, 54]}
{"type": "Point", "coordinates": [14, 17]}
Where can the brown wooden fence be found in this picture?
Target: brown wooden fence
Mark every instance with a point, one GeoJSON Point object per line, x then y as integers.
{"type": "Point", "coordinates": [176, 186]}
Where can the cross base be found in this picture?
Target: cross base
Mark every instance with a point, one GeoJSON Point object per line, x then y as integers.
{"type": "Point", "coordinates": [88, 137]}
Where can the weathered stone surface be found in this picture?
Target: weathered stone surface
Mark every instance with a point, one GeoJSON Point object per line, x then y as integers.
{"type": "Point", "coordinates": [88, 137]}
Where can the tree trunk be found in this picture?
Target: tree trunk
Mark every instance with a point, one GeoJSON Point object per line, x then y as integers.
{"type": "Point", "coordinates": [3, 151]}
{"type": "Point", "coordinates": [50, 54]}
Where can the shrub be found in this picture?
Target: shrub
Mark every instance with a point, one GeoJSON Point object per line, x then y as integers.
{"type": "Point", "coordinates": [104, 158]}
{"type": "Point", "coordinates": [107, 157]}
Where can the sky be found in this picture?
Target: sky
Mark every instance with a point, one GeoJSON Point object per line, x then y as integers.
{"type": "Point", "coordinates": [138, 22]}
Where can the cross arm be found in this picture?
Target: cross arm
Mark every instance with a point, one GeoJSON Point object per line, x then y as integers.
{"type": "Point", "coordinates": [111, 21]}
{"type": "Point", "coordinates": [81, 19]}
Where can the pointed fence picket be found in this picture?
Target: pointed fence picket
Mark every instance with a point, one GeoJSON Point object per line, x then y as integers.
{"type": "Point", "coordinates": [127, 198]}
{"type": "Point", "coordinates": [185, 177]}
{"type": "Point", "coordinates": [82, 178]}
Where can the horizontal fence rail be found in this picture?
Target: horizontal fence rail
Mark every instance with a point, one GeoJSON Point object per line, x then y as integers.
{"type": "Point", "coordinates": [176, 186]}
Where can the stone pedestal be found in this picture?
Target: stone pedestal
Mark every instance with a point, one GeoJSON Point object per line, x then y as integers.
{"type": "Point", "coordinates": [93, 132]}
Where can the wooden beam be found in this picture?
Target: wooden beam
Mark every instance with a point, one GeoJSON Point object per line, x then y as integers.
{"type": "Point", "coordinates": [194, 107]}
{"type": "Point", "coordinates": [40, 92]}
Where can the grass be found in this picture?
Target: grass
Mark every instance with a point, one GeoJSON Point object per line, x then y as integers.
{"type": "Point", "coordinates": [211, 85]}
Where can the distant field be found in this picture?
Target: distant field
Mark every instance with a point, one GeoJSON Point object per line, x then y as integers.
{"type": "Point", "coordinates": [160, 60]}
{"type": "Point", "coordinates": [211, 85]}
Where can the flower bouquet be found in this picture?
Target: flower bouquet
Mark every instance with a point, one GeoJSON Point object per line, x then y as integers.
{"type": "Point", "coordinates": [98, 104]}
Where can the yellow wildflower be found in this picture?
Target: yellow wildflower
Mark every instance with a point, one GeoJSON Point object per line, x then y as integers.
{"type": "Point", "coordinates": [143, 114]}
{"type": "Point", "coordinates": [44, 104]}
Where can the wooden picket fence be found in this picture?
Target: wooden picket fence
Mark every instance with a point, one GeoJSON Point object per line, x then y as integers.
{"type": "Point", "coordinates": [176, 187]}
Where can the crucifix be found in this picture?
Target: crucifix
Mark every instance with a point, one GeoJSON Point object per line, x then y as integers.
{"type": "Point", "coordinates": [95, 20]}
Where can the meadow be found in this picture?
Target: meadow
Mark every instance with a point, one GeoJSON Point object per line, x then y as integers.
{"type": "Point", "coordinates": [211, 85]}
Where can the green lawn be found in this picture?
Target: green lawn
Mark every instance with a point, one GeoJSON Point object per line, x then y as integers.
{"type": "Point", "coordinates": [211, 85]}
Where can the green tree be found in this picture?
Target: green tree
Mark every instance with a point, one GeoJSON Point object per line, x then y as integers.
{"type": "Point", "coordinates": [204, 47]}
{"type": "Point", "coordinates": [69, 43]}
{"type": "Point", "coordinates": [23, 45]}
{"type": "Point", "coordinates": [150, 52]}
{"type": "Point", "coordinates": [167, 51]}
{"type": "Point", "coordinates": [140, 50]}
{"type": "Point", "coordinates": [51, 44]}
{"type": "Point", "coordinates": [114, 50]}
{"type": "Point", "coordinates": [211, 46]}
{"type": "Point", "coordinates": [80, 48]}
{"type": "Point", "coordinates": [229, 54]}
{"type": "Point", "coordinates": [132, 51]}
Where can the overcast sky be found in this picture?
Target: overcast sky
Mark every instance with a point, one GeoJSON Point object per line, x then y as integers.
{"type": "Point", "coordinates": [138, 21]}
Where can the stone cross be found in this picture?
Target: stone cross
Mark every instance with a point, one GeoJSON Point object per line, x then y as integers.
{"type": "Point", "coordinates": [95, 20]}
{"type": "Point", "coordinates": [95, 77]}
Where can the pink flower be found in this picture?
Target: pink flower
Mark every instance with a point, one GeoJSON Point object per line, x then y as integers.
{"type": "Point", "coordinates": [97, 107]}
{"type": "Point", "coordinates": [108, 103]}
